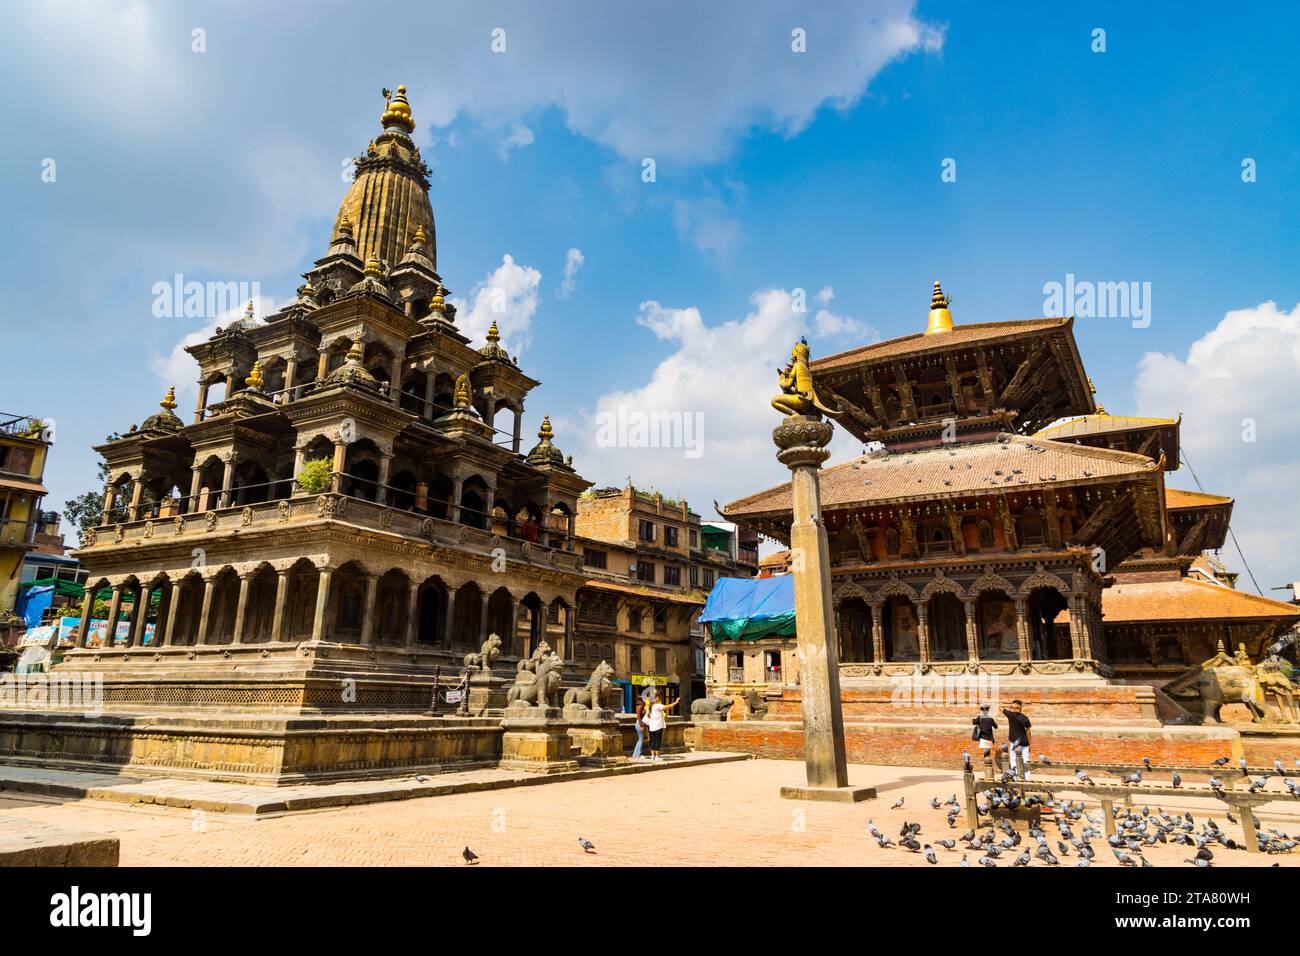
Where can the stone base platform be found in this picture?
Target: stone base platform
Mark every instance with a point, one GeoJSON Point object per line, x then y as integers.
{"type": "Point", "coordinates": [23, 843]}
{"type": "Point", "coordinates": [198, 795]}
{"type": "Point", "coordinates": [829, 794]}
{"type": "Point", "coordinates": [249, 748]}
{"type": "Point", "coordinates": [940, 743]}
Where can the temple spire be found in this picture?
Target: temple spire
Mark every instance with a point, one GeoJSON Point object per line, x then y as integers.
{"type": "Point", "coordinates": [940, 315]}
{"type": "Point", "coordinates": [397, 112]}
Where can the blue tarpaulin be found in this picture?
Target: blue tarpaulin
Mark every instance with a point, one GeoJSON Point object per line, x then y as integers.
{"type": "Point", "coordinates": [745, 609]}
{"type": "Point", "coordinates": [32, 602]}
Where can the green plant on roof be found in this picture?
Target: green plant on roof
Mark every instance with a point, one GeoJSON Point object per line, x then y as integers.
{"type": "Point", "coordinates": [316, 475]}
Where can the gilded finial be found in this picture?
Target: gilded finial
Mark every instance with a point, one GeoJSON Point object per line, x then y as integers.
{"type": "Point", "coordinates": [357, 353]}
{"type": "Point", "coordinates": [373, 269]}
{"type": "Point", "coordinates": [254, 379]}
{"type": "Point", "coordinates": [419, 236]}
{"type": "Point", "coordinates": [463, 391]}
{"type": "Point", "coordinates": [370, 148]}
{"type": "Point", "coordinates": [546, 433]}
{"type": "Point", "coordinates": [345, 226]}
{"type": "Point", "coordinates": [438, 303]}
{"type": "Point", "coordinates": [398, 112]}
{"type": "Point", "coordinates": [940, 314]}
{"type": "Point", "coordinates": [169, 400]}
{"type": "Point", "coordinates": [248, 311]}
{"type": "Point", "coordinates": [493, 333]}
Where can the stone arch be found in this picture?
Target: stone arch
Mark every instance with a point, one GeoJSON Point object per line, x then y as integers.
{"type": "Point", "coordinates": [392, 601]}
{"type": "Point", "coordinates": [853, 619]}
{"type": "Point", "coordinates": [223, 607]}
{"type": "Point", "coordinates": [467, 626]}
{"type": "Point", "coordinates": [501, 617]}
{"type": "Point", "coordinates": [347, 602]}
{"type": "Point", "coordinates": [431, 627]}
{"type": "Point", "coordinates": [259, 611]}
{"type": "Point", "coordinates": [300, 600]}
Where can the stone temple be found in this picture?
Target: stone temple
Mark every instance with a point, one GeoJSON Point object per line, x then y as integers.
{"type": "Point", "coordinates": [348, 508]}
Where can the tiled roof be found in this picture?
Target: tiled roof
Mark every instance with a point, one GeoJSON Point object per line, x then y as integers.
{"type": "Point", "coordinates": [672, 597]}
{"type": "Point", "coordinates": [1086, 425]}
{"type": "Point", "coordinates": [1187, 600]}
{"type": "Point", "coordinates": [1012, 463]}
{"type": "Point", "coordinates": [920, 342]}
{"type": "Point", "coordinates": [1178, 498]}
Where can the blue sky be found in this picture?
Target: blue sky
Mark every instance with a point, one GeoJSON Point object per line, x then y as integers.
{"type": "Point", "coordinates": [775, 171]}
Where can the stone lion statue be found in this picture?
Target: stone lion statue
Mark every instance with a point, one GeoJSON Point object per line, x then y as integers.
{"type": "Point", "coordinates": [485, 656]}
{"type": "Point", "coordinates": [756, 703]}
{"type": "Point", "coordinates": [539, 654]}
{"type": "Point", "coordinates": [597, 691]}
{"type": "Point", "coordinates": [537, 687]}
{"type": "Point", "coordinates": [711, 706]}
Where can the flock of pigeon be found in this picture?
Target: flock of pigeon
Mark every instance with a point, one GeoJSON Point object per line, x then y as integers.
{"type": "Point", "coordinates": [1135, 830]}
{"type": "Point", "coordinates": [471, 858]}
{"type": "Point", "coordinates": [1256, 784]}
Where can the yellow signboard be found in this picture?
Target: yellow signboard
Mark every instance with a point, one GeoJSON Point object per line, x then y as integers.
{"type": "Point", "coordinates": [649, 679]}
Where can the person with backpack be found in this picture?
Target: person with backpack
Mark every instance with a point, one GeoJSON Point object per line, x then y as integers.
{"type": "Point", "coordinates": [1018, 730]}
{"type": "Point", "coordinates": [982, 732]}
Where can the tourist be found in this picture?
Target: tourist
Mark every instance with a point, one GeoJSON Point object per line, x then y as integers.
{"type": "Point", "coordinates": [642, 710]}
{"type": "Point", "coordinates": [1018, 730]}
{"type": "Point", "coordinates": [656, 722]}
{"type": "Point", "coordinates": [984, 725]}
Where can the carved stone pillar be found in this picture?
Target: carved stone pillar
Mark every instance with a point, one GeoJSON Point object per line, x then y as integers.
{"type": "Point", "coordinates": [322, 604]}
{"type": "Point", "coordinates": [340, 460]}
{"type": "Point", "coordinates": [923, 631]}
{"type": "Point", "coordinates": [281, 603]}
{"type": "Point", "coordinates": [110, 495]}
{"type": "Point", "coordinates": [196, 482]}
{"type": "Point", "coordinates": [322, 365]}
{"type": "Point", "coordinates": [368, 610]}
{"type": "Point", "coordinates": [227, 480]}
{"type": "Point", "coordinates": [396, 388]}
{"type": "Point", "coordinates": [137, 491]}
{"type": "Point", "coordinates": [426, 411]}
{"type": "Point", "coordinates": [412, 615]}
{"type": "Point", "coordinates": [114, 608]}
{"type": "Point", "coordinates": [205, 613]}
{"type": "Point", "coordinates": [173, 609]}
{"type": "Point", "coordinates": [450, 620]}
{"type": "Point", "coordinates": [453, 507]}
{"type": "Point", "coordinates": [519, 422]}
{"type": "Point", "coordinates": [201, 405]}
{"type": "Point", "coordinates": [381, 492]}
{"type": "Point", "coordinates": [972, 630]}
{"type": "Point", "coordinates": [87, 610]}
{"type": "Point", "coordinates": [290, 377]}
{"type": "Point", "coordinates": [135, 635]}
{"type": "Point", "coordinates": [1022, 628]}
{"type": "Point", "coordinates": [878, 633]}
{"type": "Point", "coordinates": [241, 608]}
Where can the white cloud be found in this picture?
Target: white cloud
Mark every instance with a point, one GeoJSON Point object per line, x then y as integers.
{"type": "Point", "coordinates": [573, 260]}
{"type": "Point", "coordinates": [709, 226]}
{"type": "Point", "coordinates": [178, 367]}
{"type": "Point", "coordinates": [518, 137]}
{"type": "Point", "coordinates": [1238, 377]}
{"type": "Point", "coordinates": [726, 375]}
{"type": "Point", "coordinates": [508, 296]}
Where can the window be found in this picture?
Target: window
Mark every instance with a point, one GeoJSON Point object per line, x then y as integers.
{"type": "Point", "coordinates": [607, 652]}
{"type": "Point", "coordinates": [645, 571]}
{"type": "Point", "coordinates": [634, 620]}
{"type": "Point", "coordinates": [553, 613]}
{"type": "Point", "coordinates": [672, 575]}
{"type": "Point", "coordinates": [15, 460]}
{"type": "Point", "coordinates": [580, 653]}
{"type": "Point", "coordinates": [695, 538]}
{"type": "Point", "coordinates": [891, 541]}
{"type": "Point", "coordinates": [986, 534]}
{"type": "Point", "coordinates": [735, 667]}
{"type": "Point", "coordinates": [695, 576]}
{"type": "Point", "coordinates": [661, 660]}
{"type": "Point", "coordinates": [646, 531]}
{"type": "Point", "coordinates": [708, 578]}
{"type": "Point", "coordinates": [937, 537]}
{"type": "Point", "coordinates": [772, 666]}
{"type": "Point", "coordinates": [599, 609]}
{"type": "Point", "coordinates": [670, 536]}
{"type": "Point", "coordinates": [661, 620]}
{"type": "Point", "coordinates": [595, 559]}
{"type": "Point", "coordinates": [1030, 526]}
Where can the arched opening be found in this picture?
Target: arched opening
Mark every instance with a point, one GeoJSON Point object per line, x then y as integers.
{"type": "Point", "coordinates": [439, 496]}
{"type": "Point", "coordinates": [995, 617]}
{"type": "Point", "coordinates": [466, 631]}
{"type": "Point", "coordinates": [853, 625]}
{"type": "Point", "coordinates": [412, 399]}
{"type": "Point", "coordinates": [225, 604]}
{"type": "Point", "coordinates": [348, 597]}
{"type": "Point", "coordinates": [250, 484]}
{"type": "Point", "coordinates": [402, 489]}
{"type": "Point", "coordinates": [189, 597]}
{"type": "Point", "coordinates": [902, 632]}
{"type": "Point", "coordinates": [947, 627]}
{"type": "Point", "coordinates": [1047, 639]}
{"type": "Point", "coordinates": [259, 613]}
{"type": "Point", "coordinates": [391, 602]}
{"type": "Point", "coordinates": [444, 394]}
{"type": "Point", "coordinates": [300, 612]}
{"type": "Point", "coordinates": [501, 606]}
{"type": "Point", "coordinates": [361, 470]}
{"type": "Point", "coordinates": [473, 502]}
{"type": "Point", "coordinates": [532, 624]}
{"type": "Point", "coordinates": [273, 372]}
{"type": "Point", "coordinates": [433, 613]}
{"type": "Point", "coordinates": [528, 522]}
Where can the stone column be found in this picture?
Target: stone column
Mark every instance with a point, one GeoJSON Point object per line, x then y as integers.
{"type": "Point", "coordinates": [299, 455]}
{"type": "Point", "coordinates": [972, 630]}
{"type": "Point", "coordinates": [519, 423]}
{"type": "Point", "coordinates": [1022, 628]}
{"type": "Point", "coordinates": [241, 608]}
{"type": "Point", "coordinates": [114, 608]}
{"type": "Point", "coordinates": [209, 585]}
{"type": "Point", "coordinates": [281, 602]}
{"type": "Point", "coordinates": [196, 482]}
{"type": "Point", "coordinates": [802, 442]}
{"type": "Point", "coordinates": [511, 641]}
{"type": "Point", "coordinates": [87, 611]}
{"type": "Point", "coordinates": [322, 365]}
{"type": "Point", "coordinates": [227, 480]}
{"type": "Point", "coordinates": [482, 623]}
{"type": "Point", "coordinates": [340, 459]}
{"type": "Point", "coordinates": [878, 633]}
{"type": "Point", "coordinates": [568, 630]}
{"type": "Point", "coordinates": [137, 490]}
{"type": "Point", "coordinates": [202, 403]}
{"type": "Point", "coordinates": [453, 506]}
{"type": "Point", "coordinates": [413, 615]}
{"type": "Point", "coordinates": [426, 410]}
{"type": "Point", "coordinates": [381, 492]}
{"type": "Point", "coordinates": [110, 495]}
{"type": "Point", "coordinates": [322, 604]}
{"type": "Point", "coordinates": [290, 376]}
{"type": "Point", "coordinates": [173, 609]}
{"type": "Point", "coordinates": [368, 609]}
{"type": "Point", "coordinates": [396, 388]}
{"type": "Point", "coordinates": [451, 618]}
{"type": "Point", "coordinates": [138, 614]}
{"type": "Point", "coordinates": [923, 632]}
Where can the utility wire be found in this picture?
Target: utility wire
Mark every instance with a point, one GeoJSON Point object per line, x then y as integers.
{"type": "Point", "coordinates": [1183, 455]}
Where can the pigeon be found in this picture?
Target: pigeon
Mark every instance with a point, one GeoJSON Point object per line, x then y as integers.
{"type": "Point", "coordinates": [421, 778]}
{"type": "Point", "coordinates": [587, 845]}
{"type": "Point", "coordinates": [1277, 765]}
{"type": "Point", "coordinates": [1135, 777]}
{"type": "Point", "coordinates": [1146, 862]}
{"type": "Point", "coordinates": [985, 861]}
{"type": "Point", "coordinates": [929, 855]}
{"type": "Point", "coordinates": [899, 804]}
{"type": "Point", "coordinates": [1146, 762]}
{"type": "Point", "coordinates": [1177, 779]}
{"type": "Point", "coordinates": [1063, 847]}
{"type": "Point", "coordinates": [1045, 854]}
{"type": "Point", "coordinates": [934, 803]}
{"type": "Point", "coordinates": [1042, 758]}
{"type": "Point", "coordinates": [1082, 776]}
{"type": "Point", "coordinates": [883, 841]}
{"type": "Point", "coordinates": [964, 861]}
{"type": "Point", "coordinates": [469, 856]}
{"type": "Point", "coordinates": [1123, 858]}
{"type": "Point", "coordinates": [1216, 783]}
{"type": "Point", "coordinates": [1084, 863]}
{"type": "Point", "coordinates": [946, 844]}
{"type": "Point", "coordinates": [1204, 853]}
{"type": "Point", "coordinates": [1241, 762]}
{"type": "Point", "coordinates": [1258, 784]}
{"type": "Point", "coordinates": [1221, 761]}
{"type": "Point", "coordinates": [1199, 862]}
{"type": "Point", "coordinates": [1022, 859]}
{"type": "Point", "coordinates": [872, 828]}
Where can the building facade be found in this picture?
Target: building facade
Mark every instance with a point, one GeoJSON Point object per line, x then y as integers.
{"type": "Point", "coordinates": [24, 444]}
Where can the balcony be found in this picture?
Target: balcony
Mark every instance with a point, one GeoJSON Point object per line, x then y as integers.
{"type": "Point", "coordinates": [273, 516]}
{"type": "Point", "coordinates": [735, 675]}
{"type": "Point", "coordinates": [17, 534]}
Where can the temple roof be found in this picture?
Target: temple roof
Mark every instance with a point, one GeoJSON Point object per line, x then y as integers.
{"type": "Point", "coordinates": [958, 335]}
{"type": "Point", "coordinates": [1176, 498]}
{"type": "Point", "coordinates": [1086, 425]}
{"type": "Point", "coordinates": [1187, 600]}
{"type": "Point", "coordinates": [1013, 463]}
{"type": "Point", "coordinates": [672, 597]}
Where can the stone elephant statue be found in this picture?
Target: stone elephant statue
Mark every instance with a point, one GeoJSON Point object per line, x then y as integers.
{"type": "Point", "coordinates": [711, 706]}
{"type": "Point", "coordinates": [1234, 684]}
